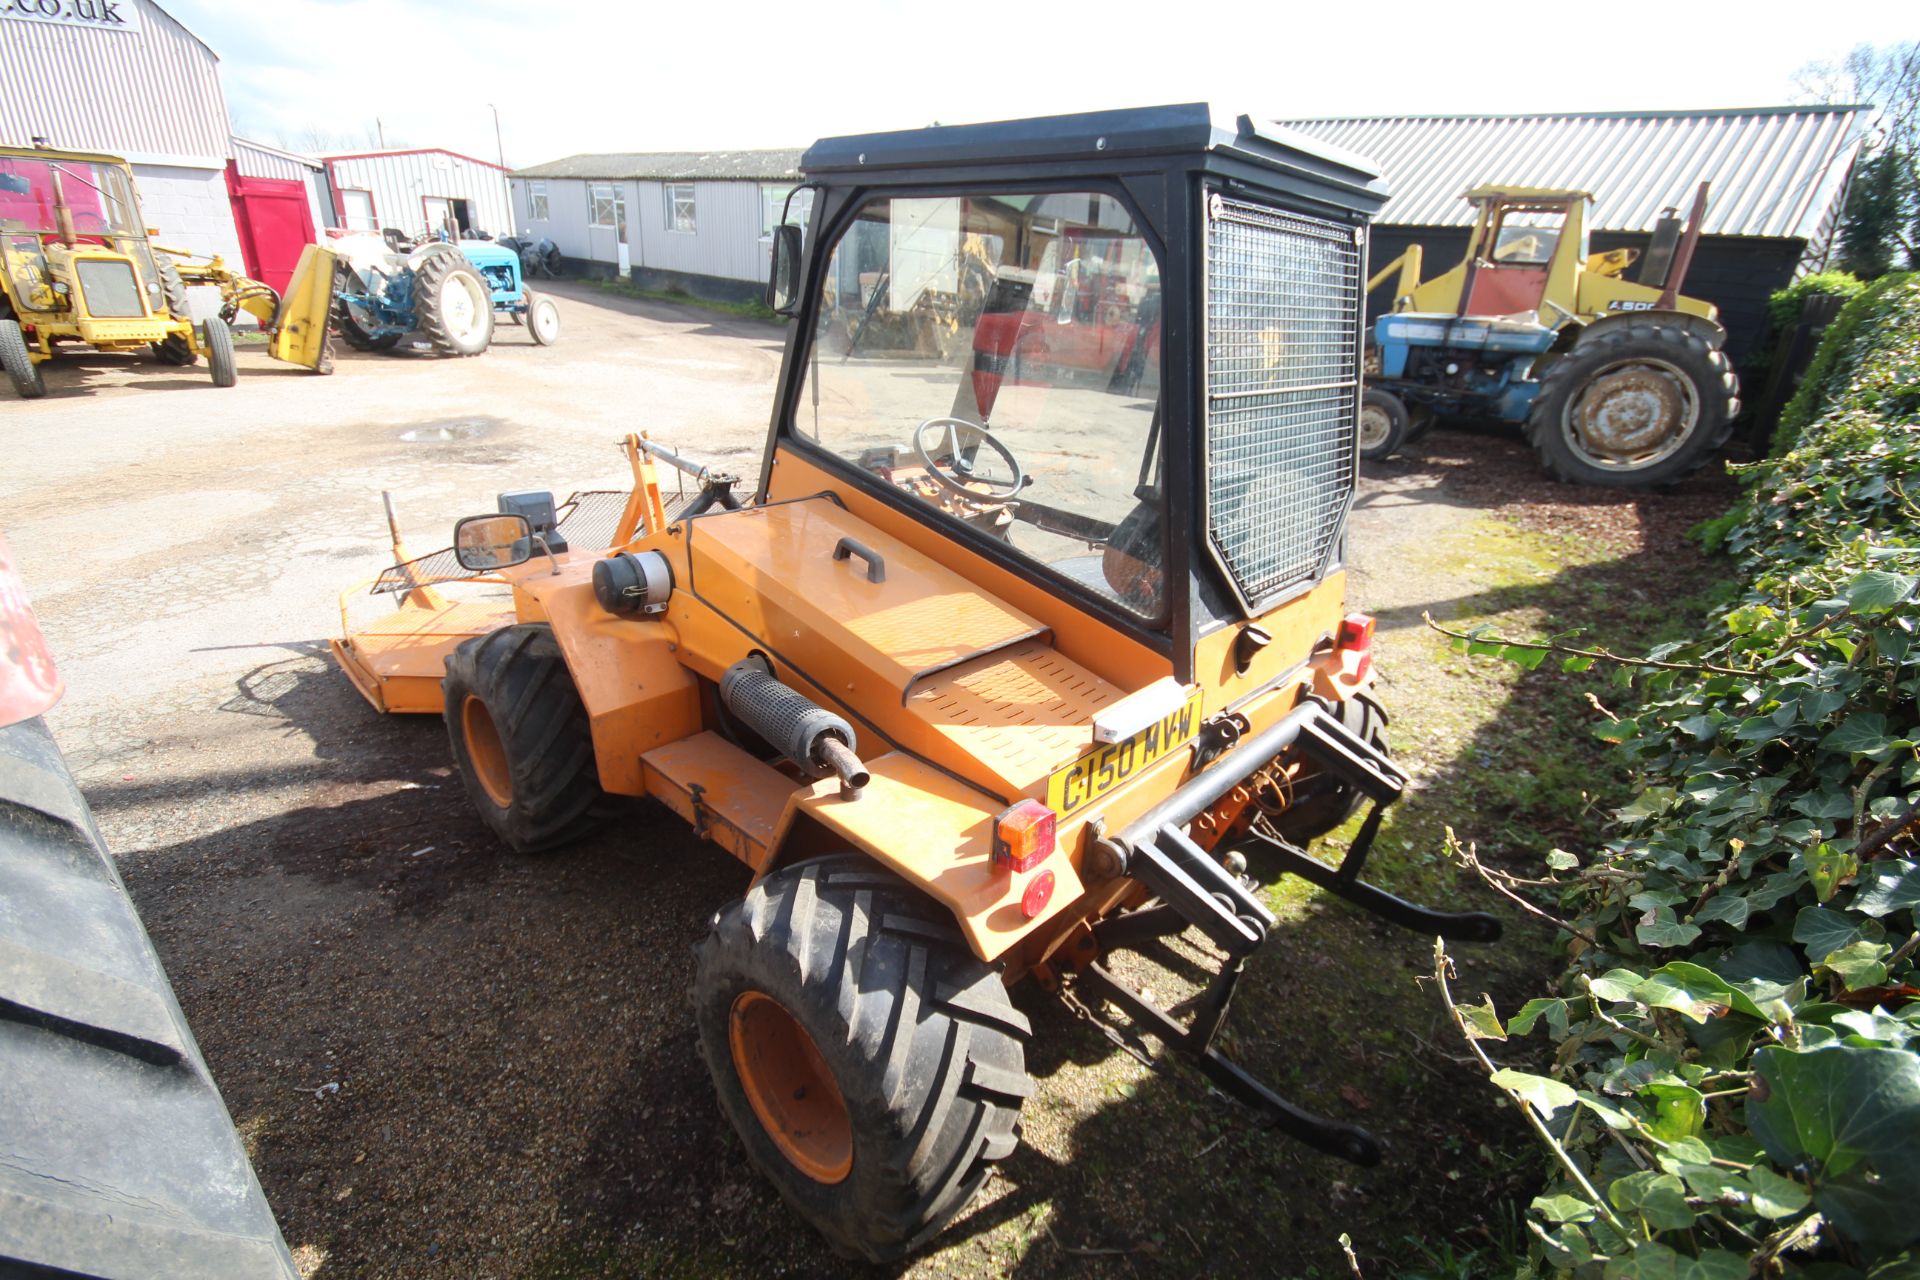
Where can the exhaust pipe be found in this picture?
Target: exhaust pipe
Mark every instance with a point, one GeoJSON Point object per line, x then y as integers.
{"type": "Point", "coordinates": [817, 740]}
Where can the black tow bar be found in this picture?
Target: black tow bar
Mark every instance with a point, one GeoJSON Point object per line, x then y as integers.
{"type": "Point", "coordinates": [1195, 888]}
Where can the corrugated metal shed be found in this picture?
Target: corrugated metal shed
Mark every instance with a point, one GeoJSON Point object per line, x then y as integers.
{"type": "Point", "coordinates": [401, 182]}
{"type": "Point", "coordinates": [258, 160]}
{"type": "Point", "coordinates": [656, 166]}
{"type": "Point", "coordinates": [151, 95]}
{"type": "Point", "coordinates": [1776, 171]}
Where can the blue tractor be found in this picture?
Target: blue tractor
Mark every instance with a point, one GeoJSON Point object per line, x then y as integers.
{"type": "Point", "coordinates": [443, 294]}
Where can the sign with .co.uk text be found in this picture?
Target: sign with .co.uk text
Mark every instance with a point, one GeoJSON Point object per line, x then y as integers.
{"type": "Point", "coordinates": [95, 15]}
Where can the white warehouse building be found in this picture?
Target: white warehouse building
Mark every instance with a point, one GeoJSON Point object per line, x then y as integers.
{"type": "Point", "coordinates": [417, 189]}
{"type": "Point", "coordinates": [130, 80]}
{"type": "Point", "coordinates": [697, 222]}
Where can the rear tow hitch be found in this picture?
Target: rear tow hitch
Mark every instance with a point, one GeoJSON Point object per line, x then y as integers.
{"type": "Point", "coordinates": [1192, 887]}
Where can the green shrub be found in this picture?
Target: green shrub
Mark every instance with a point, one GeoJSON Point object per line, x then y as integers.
{"type": "Point", "coordinates": [1784, 306]}
{"type": "Point", "coordinates": [1735, 1086]}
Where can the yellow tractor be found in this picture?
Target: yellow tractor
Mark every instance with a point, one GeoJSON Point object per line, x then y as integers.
{"type": "Point", "coordinates": [1618, 382]}
{"type": "Point", "coordinates": [1007, 667]}
{"type": "Point", "coordinates": [77, 266]}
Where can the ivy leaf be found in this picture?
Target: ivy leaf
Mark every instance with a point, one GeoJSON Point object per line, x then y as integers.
{"type": "Point", "coordinates": [1526, 657]}
{"type": "Point", "coordinates": [1888, 889]}
{"type": "Point", "coordinates": [1823, 931]}
{"type": "Point", "coordinates": [1877, 590]}
{"type": "Point", "coordinates": [1728, 907]}
{"type": "Point", "coordinates": [1853, 1116]}
{"type": "Point", "coordinates": [1651, 1260]}
{"type": "Point", "coordinates": [1679, 1111]}
{"type": "Point", "coordinates": [1616, 984]}
{"type": "Point", "coordinates": [1561, 860]}
{"type": "Point", "coordinates": [1553, 1009]}
{"type": "Point", "coordinates": [1614, 1117]}
{"type": "Point", "coordinates": [1686, 988]}
{"type": "Point", "coordinates": [1826, 868]}
{"type": "Point", "coordinates": [1660, 1198]}
{"type": "Point", "coordinates": [1864, 733]}
{"type": "Point", "coordinates": [1650, 803]}
{"type": "Point", "coordinates": [1543, 1095]}
{"type": "Point", "coordinates": [1563, 1208]}
{"type": "Point", "coordinates": [1876, 1027]}
{"type": "Point", "coordinates": [1775, 1196]}
{"type": "Point", "coordinates": [1859, 964]}
{"type": "Point", "coordinates": [1481, 1022]}
{"type": "Point", "coordinates": [1659, 928]}
{"type": "Point", "coordinates": [1577, 662]}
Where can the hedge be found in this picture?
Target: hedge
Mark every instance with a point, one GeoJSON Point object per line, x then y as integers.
{"type": "Point", "coordinates": [1734, 1085]}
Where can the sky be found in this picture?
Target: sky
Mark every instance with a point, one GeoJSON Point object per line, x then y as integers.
{"type": "Point", "coordinates": [598, 76]}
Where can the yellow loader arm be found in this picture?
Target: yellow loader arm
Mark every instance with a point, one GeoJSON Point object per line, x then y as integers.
{"type": "Point", "coordinates": [296, 325]}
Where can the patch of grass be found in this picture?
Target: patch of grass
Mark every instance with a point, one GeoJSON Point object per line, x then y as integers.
{"type": "Point", "coordinates": [754, 310]}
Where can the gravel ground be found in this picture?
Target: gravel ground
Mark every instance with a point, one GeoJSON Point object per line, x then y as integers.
{"type": "Point", "coordinates": [449, 1061]}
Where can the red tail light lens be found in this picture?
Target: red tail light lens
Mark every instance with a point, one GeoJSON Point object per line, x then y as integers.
{"type": "Point", "coordinates": [1023, 836]}
{"type": "Point", "coordinates": [1356, 632]}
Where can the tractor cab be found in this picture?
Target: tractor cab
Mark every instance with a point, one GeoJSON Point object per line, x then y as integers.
{"type": "Point", "coordinates": [76, 266]}
{"type": "Point", "coordinates": [1029, 648]}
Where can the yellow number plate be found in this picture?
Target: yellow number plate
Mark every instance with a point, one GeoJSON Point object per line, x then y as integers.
{"type": "Point", "coordinates": [1098, 772]}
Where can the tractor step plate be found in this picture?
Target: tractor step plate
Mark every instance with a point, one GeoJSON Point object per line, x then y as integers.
{"type": "Point", "coordinates": [730, 797]}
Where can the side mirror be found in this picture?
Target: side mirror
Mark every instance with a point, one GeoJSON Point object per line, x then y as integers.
{"type": "Point", "coordinates": [783, 279]}
{"type": "Point", "coordinates": [486, 543]}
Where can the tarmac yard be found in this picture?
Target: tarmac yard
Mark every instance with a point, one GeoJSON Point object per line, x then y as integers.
{"type": "Point", "coordinates": [449, 1060]}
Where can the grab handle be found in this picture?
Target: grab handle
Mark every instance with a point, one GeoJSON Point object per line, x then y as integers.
{"type": "Point", "coordinates": [876, 567]}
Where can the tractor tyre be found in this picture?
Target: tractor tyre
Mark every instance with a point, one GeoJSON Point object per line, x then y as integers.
{"type": "Point", "coordinates": [521, 740]}
{"type": "Point", "coordinates": [176, 348]}
{"type": "Point", "coordinates": [1327, 801]}
{"type": "Point", "coordinates": [872, 1064]}
{"type": "Point", "coordinates": [1633, 407]}
{"type": "Point", "coordinates": [452, 304]}
{"type": "Point", "coordinates": [1383, 424]}
{"type": "Point", "coordinates": [18, 361]}
{"type": "Point", "coordinates": [543, 319]}
{"type": "Point", "coordinates": [218, 340]}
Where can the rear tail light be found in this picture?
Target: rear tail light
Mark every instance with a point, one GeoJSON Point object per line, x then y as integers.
{"type": "Point", "coordinates": [1023, 836]}
{"type": "Point", "coordinates": [1354, 645]}
{"type": "Point", "coordinates": [1356, 632]}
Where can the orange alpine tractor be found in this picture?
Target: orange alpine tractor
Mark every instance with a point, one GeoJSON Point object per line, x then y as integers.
{"type": "Point", "coordinates": [981, 687]}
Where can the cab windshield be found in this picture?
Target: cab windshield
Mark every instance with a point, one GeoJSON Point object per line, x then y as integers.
{"type": "Point", "coordinates": [98, 196]}
{"type": "Point", "coordinates": [995, 357]}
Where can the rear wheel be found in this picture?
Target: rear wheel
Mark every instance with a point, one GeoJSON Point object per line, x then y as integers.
{"type": "Point", "coordinates": [1634, 406]}
{"type": "Point", "coordinates": [543, 319]}
{"type": "Point", "coordinates": [18, 362]}
{"type": "Point", "coordinates": [1322, 802]}
{"type": "Point", "coordinates": [1383, 424]}
{"type": "Point", "coordinates": [521, 739]}
{"type": "Point", "coordinates": [872, 1064]}
{"type": "Point", "coordinates": [218, 340]}
{"type": "Point", "coordinates": [452, 304]}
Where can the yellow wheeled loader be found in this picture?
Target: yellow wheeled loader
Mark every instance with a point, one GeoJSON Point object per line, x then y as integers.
{"type": "Point", "coordinates": [77, 267]}
{"type": "Point", "coordinates": [983, 685]}
{"type": "Point", "coordinates": [1618, 382]}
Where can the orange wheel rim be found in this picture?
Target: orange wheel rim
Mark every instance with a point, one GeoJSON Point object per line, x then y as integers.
{"type": "Point", "coordinates": [793, 1093]}
{"type": "Point", "coordinates": [488, 753]}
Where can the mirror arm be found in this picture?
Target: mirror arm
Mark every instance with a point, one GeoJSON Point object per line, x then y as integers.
{"type": "Point", "coordinates": [541, 542]}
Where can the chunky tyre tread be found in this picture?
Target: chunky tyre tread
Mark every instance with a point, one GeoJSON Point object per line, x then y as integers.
{"type": "Point", "coordinates": [1683, 346]}
{"type": "Point", "coordinates": [175, 348]}
{"type": "Point", "coordinates": [519, 674]}
{"type": "Point", "coordinates": [434, 271]}
{"type": "Point", "coordinates": [919, 1033]}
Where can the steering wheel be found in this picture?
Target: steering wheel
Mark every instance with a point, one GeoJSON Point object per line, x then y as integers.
{"type": "Point", "coordinates": [963, 438]}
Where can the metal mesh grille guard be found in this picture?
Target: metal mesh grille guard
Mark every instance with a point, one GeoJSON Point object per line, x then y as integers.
{"type": "Point", "coordinates": [1283, 388]}
{"type": "Point", "coordinates": [587, 522]}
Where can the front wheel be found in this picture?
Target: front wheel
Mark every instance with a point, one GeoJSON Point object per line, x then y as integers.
{"type": "Point", "coordinates": [543, 319]}
{"type": "Point", "coordinates": [872, 1064]}
{"type": "Point", "coordinates": [521, 739]}
{"type": "Point", "coordinates": [1383, 424]}
{"type": "Point", "coordinates": [218, 340]}
{"type": "Point", "coordinates": [1633, 407]}
{"type": "Point", "coordinates": [19, 363]}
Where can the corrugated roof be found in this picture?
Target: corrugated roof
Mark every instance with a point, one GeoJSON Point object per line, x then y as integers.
{"type": "Point", "coordinates": [1776, 171]}
{"type": "Point", "coordinates": [744, 166]}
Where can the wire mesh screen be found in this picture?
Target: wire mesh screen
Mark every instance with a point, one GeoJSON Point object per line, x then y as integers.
{"type": "Point", "coordinates": [1283, 389]}
{"type": "Point", "coordinates": [588, 520]}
